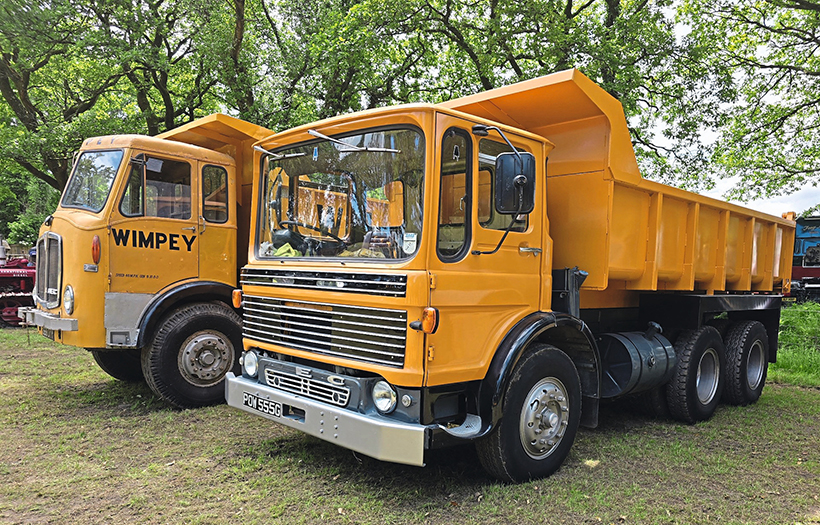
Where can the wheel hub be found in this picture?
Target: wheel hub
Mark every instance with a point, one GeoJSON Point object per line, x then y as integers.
{"type": "Point", "coordinates": [755, 365]}
{"type": "Point", "coordinates": [707, 379]}
{"type": "Point", "coordinates": [544, 418]}
{"type": "Point", "coordinates": [205, 358]}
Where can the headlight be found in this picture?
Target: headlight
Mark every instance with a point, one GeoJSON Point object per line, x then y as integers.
{"type": "Point", "coordinates": [68, 299]}
{"type": "Point", "coordinates": [250, 364]}
{"type": "Point", "coordinates": [384, 397]}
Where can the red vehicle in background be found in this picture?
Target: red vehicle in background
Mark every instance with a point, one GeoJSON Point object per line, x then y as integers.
{"type": "Point", "coordinates": [16, 285]}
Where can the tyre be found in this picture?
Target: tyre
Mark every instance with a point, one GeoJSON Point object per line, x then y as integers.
{"type": "Point", "coordinates": [653, 403]}
{"type": "Point", "coordinates": [124, 365]}
{"type": "Point", "coordinates": [193, 349]}
{"type": "Point", "coordinates": [541, 413]}
{"type": "Point", "coordinates": [721, 325]}
{"type": "Point", "coordinates": [694, 391]}
{"type": "Point", "coordinates": [747, 362]}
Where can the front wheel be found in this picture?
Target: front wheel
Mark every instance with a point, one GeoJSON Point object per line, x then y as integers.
{"type": "Point", "coordinates": [194, 348]}
{"type": "Point", "coordinates": [542, 410]}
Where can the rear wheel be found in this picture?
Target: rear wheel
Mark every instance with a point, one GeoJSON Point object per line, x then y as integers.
{"type": "Point", "coordinates": [124, 365]}
{"type": "Point", "coordinates": [542, 410]}
{"type": "Point", "coordinates": [694, 391]}
{"type": "Point", "coordinates": [747, 362]}
{"type": "Point", "coordinates": [192, 351]}
{"type": "Point", "coordinates": [653, 403]}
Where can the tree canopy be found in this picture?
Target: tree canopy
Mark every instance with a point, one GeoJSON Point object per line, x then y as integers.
{"type": "Point", "coordinates": [711, 88]}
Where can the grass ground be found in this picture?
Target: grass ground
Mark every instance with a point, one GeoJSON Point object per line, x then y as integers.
{"type": "Point", "coordinates": [79, 447]}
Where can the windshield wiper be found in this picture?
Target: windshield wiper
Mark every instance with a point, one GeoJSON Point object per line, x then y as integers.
{"type": "Point", "coordinates": [351, 148]}
{"type": "Point", "coordinates": [279, 156]}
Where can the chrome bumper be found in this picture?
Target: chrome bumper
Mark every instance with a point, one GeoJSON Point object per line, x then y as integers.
{"type": "Point", "coordinates": [374, 436]}
{"type": "Point", "coordinates": [34, 317]}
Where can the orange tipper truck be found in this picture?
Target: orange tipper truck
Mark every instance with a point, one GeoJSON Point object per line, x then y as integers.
{"type": "Point", "coordinates": [489, 270]}
{"type": "Point", "coordinates": [139, 261]}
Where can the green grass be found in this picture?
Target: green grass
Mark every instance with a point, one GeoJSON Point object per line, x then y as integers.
{"type": "Point", "coordinates": [798, 355]}
{"type": "Point", "coordinates": [79, 447]}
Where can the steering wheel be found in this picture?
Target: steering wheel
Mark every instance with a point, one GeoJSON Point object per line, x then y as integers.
{"type": "Point", "coordinates": [313, 228]}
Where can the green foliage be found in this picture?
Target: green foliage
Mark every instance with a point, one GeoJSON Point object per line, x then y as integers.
{"type": "Point", "coordinates": [798, 355]}
{"type": "Point", "coordinates": [12, 199]}
{"type": "Point", "coordinates": [710, 88]}
{"type": "Point", "coordinates": [40, 200]}
{"type": "Point", "coordinates": [766, 135]}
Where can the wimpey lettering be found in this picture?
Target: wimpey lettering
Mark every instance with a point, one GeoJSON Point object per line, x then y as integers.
{"type": "Point", "coordinates": [154, 240]}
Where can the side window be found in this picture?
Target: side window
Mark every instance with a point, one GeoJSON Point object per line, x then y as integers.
{"type": "Point", "coordinates": [167, 188]}
{"type": "Point", "coordinates": [454, 202]}
{"type": "Point", "coordinates": [132, 199]}
{"type": "Point", "coordinates": [488, 150]}
{"type": "Point", "coordinates": [215, 194]}
{"type": "Point", "coordinates": [158, 188]}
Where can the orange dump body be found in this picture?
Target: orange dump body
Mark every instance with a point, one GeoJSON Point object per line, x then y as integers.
{"type": "Point", "coordinates": [631, 234]}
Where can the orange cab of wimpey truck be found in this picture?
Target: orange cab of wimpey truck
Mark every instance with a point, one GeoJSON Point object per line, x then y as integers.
{"type": "Point", "coordinates": [488, 270]}
{"type": "Point", "coordinates": [139, 261]}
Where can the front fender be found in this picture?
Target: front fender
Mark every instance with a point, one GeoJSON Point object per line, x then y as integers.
{"type": "Point", "coordinates": [569, 334]}
{"type": "Point", "coordinates": [199, 291]}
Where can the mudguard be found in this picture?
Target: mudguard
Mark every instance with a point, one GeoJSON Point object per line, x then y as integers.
{"type": "Point", "coordinates": [569, 334]}
{"type": "Point", "coordinates": [203, 291]}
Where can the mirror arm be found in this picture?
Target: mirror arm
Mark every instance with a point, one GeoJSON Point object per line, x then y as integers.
{"type": "Point", "coordinates": [512, 222]}
{"type": "Point", "coordinates": [481, 130]}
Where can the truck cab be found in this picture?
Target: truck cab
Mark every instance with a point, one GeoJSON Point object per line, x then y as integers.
{"type": "Point", "coordinates": [138, 262]}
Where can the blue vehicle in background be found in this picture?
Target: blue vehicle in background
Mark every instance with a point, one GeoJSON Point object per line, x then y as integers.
{"type": "Point", "coordinates": [806, 265]}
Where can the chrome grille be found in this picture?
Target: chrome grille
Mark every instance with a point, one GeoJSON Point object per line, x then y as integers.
{"type": "Point", "coordinates": [49, 270]}
{"type": "Point", "coordinates": [372, 335]}
{"type": "Point", "coordinates": [374, 284]}
{"type": "Point", "coordinates": [312, 388]}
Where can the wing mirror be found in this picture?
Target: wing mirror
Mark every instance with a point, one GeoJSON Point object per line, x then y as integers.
{"type": "Point", "coordinates": [514, 183]}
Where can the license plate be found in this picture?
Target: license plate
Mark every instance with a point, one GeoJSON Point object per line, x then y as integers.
{"type": "Point", "coordinates": [260, 404]}
{"type": "Point", "coordinates": [48, 333]}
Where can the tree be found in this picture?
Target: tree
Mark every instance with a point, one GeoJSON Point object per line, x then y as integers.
{"type": "Point", "coordinates": [49, 85]}
{"type": "Point", "coordinates": [768, 136]}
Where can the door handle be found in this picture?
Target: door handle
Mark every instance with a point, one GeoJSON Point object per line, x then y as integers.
{"type": "Point", "coordinates": [527, 249]}
{"type": "Point", "coordinates": [202, 222]}
{"type": "Point", "coordinates": [189, 229]}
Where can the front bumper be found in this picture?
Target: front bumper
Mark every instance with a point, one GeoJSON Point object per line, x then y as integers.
{"type": "Point", "coordinates": [373, 435]}
{"type": "Point", "coordinates": [35, 317]}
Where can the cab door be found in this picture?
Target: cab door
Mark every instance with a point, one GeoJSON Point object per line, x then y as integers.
{"type": "Point", "coordinates": [479, 297]}
{"type": "Point", "coordinates": [217, 224]}
{"type": "Point", "coordinates": [154, 228]}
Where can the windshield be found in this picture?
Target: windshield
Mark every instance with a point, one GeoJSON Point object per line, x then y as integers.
{"type": "Point", "coordinates": [337, 199]}
{"type": "Point", "coordinates": [91, 181]}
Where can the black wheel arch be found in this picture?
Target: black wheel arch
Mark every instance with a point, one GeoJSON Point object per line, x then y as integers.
{"type": "Point", "coordinates": [193, 292]}
{"type": "Point", "coordinates": [563, 331]}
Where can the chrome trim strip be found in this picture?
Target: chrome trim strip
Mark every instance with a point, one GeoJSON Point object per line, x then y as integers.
{"type": "Point", "coordinates": [328, 351]}
{"type": "Point", "coordinates": [373, 435]}
{"type": "Point", "coordinates": [336, 321]}
{"type": "Point", "coordinates": [334, 337]}
{"type": "Point", "coordinates": [393, 285]}
{"type": "Point", "coordinates": [309, 310]}
{"type": "Point", "coordinates": [315, 303]}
